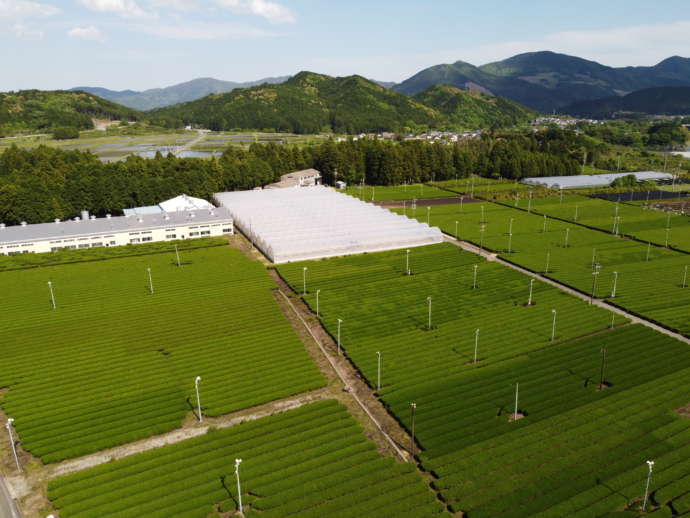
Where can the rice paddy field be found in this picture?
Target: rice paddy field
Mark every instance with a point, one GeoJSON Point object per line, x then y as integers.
{"type": "Point", "coordinates": [584, 426]}
{"type": "Point", "coordinates": [396, 192]}
{"type": "Point", "coordinates": [649, 278]}
{"type": "Point", "coordinates": [311, 462]}
{"type": "Point", "coordinates": [114, 362]}
{"type": "Point", "coordinates": [617, 218]}
{"type": "Point", "coordinates": [186, 144]}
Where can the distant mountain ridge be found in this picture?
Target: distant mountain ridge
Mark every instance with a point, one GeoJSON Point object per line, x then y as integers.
{"type": "Point", "coordinates": [663, 100]}
{"type": "Point", "coordinates": [547, 81]}
{"type": "Point", "coordinates": [179, 93]}
{"type": "Point", "coordinates": [312, 103]}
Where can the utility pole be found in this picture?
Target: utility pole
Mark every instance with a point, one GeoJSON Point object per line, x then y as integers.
{"type": "Point", "coordinates": [413, 408]}
{"type": "Point", "coordinates": [8, 425]}
{"type": "Point", "coordinates": [603, 367]}
{"type": "Point", "coordinates": [52, 295]}
{"type": "Point", "coordinates": [476, 344]}
{"type": "Point", "coordinates": [150, 280]}
{"type": "Point", "coordinates": [177, 255]}
{"type": "Point", "coordinates": [339, 322]}
{"type": "Point", "coordinates": [198, 398]}
{"type": "Point", "coordinates": [531, 287]}
{"type": "Point", "coordinates": [378, 371]}
{"type": "Point", "coordinates": [650, 465]}
{"type": "Point", "coordinates": [239, 489]}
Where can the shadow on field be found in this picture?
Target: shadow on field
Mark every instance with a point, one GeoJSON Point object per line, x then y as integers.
{"type": "Point", "coordinates": [230, 495]}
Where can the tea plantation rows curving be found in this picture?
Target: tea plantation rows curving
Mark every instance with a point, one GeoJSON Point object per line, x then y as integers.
{"type": "Point", "coordinates": [650, 278]}
{"type": "Point", "coordinates": [310, 462]}
{"type": "Point", "coordinates": [115, 363]}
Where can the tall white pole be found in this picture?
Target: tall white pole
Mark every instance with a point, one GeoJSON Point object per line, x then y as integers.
{"type": "Point", "coordinates": [476, 344]}
{"type": "Point", "coordinates": [150, 280]}
{"type": "Point", "coordinates": [304, 280]}
{"type": "Point", "coordinates": [198, 398]}
{"type": "Point", "coordinates": [615, 282]}
{"type": "Point", "coordinates": [317, 303]}
{"type": "Point", "coordinates": [407, 261]}
{"type": "Point", "coordinates": [531, 287]}
{"type": "Point", "coordinates": [685, 277]}
{"type": "Point", "coordinates": [577, 210]}
{"type": "Point", "coordinates": [649, 248]}
{"type": "Point", "coordinates": [378, 371]}
{"type": "Point", "coordinates": [428, 299]}
{"type": "Point", "coordinates": [594, 256]}
{"type": "Point", "coordinates": [650, 465]}
{"type": "Point", "coordinates": [544, 229]}
{"type": "Point", "coordinates": [177, 254]}
{"type": "Point", "coordinates": [52, 295]}
{"type": "Point", "coordinates": [548, 257]}
{"type": "Point", "coordinates": [553, 325]}
{"type": "Point", "coordinates": [339, 322]}
{"type": "Point", "coordinates": [428, 215]}
{"type": "Point", "coordinates": [567, 235]}
{"type": "Point", "coordinates": [474, 282]}
{"type": "Point", "coordinates": [239, 489]}
{"type": "Point", "coordinates": [413, 407]}
{"type": "Point", "coordinates": [456, 230]}
{"type": "Point", "coordinates": [510, 226]}
{"type": "Point", "coordinates": [667, 231]}
{"type": "Point", "coordinates": [461, 200]}
{"type": "Point", "coordinates": [8, 425]}
{"type": "Point", "coordinates": [516, 402]}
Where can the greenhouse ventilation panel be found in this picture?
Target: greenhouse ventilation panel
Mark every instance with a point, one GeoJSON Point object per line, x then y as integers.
{"type": "Point", "coordinates": [312, 222]}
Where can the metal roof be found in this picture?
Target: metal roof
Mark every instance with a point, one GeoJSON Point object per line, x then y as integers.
{"type": "Point", "coordinates": [591, 180]}
{"type": "Point", "coordinates": [98, 226]}
{"type": "Point", "coordinates": [176, 204]}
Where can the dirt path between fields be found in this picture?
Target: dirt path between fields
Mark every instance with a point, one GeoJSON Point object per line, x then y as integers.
{"type": "Point", "coordinates": [491, 256]}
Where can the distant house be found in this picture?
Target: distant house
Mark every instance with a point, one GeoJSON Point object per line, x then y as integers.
{"type": "Point", "coordinates": [305, 178]}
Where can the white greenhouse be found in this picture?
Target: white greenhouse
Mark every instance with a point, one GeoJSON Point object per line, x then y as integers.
{"type": "Point", "coordinates": [300, 224]}
{"type": "Point", "coordinates": [582, 181]}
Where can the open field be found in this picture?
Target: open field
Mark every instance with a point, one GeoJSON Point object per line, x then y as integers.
{"type": "Point", "coordinates": [652, 288]}
{"type": "Point", "coordinates": [115, 147]}
{"type": "Point", "coordinates": [642, 224]}
{"type": "Point", "coordinates": [575, 449]}
{"type": "Point", "coordinates": [485, 187]}
{"type": "Point", "coordinates": [311, 462]}
{"type": "Point", "coordinates": [395, 192]}
{"type": "Point", "coordinates": [115, 363]}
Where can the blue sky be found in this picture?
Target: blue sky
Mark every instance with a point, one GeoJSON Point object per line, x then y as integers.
{"type": "Point", "coordinates": [141, 44]}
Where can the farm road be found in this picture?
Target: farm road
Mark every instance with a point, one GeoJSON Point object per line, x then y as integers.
{"type": "Point", "coordinates": [7, 508]}
{"type": "Point", "coordinates": [490, 256]}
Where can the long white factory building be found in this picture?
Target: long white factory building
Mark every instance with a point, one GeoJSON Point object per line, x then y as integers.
{"type": "Point", "coordinates": [297, 224]}
{"type": "Point", "coordinates": [91, 232]}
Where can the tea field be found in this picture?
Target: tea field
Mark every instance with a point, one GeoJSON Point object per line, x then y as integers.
{"type": "Point", "coordinates": [395, 192]}
{"type": "Point", "coordinates": [618, 218]}
{"type": "Point", "coordinates": [114, 363]}
{"type": "Point", "coordinates": [311, 462]}
{"type": "Point", "coordinates": [576, 449]}
{"type": "Point", "coordinates": [650, 278]}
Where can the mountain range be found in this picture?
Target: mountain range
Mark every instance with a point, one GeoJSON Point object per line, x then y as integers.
{"type": "Point", "coordinates": [547, 81]}
{"type": "Point", "coordinates": [312, 103]}
{"type": "Point", "coordinates": [183, 92]}
{"type": "Point", "coordinates": [663, 100]}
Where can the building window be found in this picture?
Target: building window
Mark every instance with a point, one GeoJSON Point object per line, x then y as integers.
{"type": "Point", "coordinates": [193, 234]}
{"type": "Point", "coordinates": [96, 244]}
{"type": "Point", "coordinates": [85, 245]}
{"type": "Point", "coordinates": [112, 243]}
{"type": "Point", "coordinates": [146, 238]}
{"type": "Point", "coordinates": [135, 240]}
{"type": "Point", "coordinates": [170, 236]}
{"type": "Point", "coordinates": [205, 232]}
{"type": "Point", "coordinates": [227, 231]}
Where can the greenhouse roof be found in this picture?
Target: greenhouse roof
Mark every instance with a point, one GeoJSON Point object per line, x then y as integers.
{"type": "Point", "coordinates": [591, 180]}
{"type": "Point", "coordinates": [300, 224]}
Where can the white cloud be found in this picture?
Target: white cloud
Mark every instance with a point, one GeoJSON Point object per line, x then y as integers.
{"type": "Point", "coordinates": [123, 8]}
{"type": "Point", "coordinates": [90, 33]}
{"type": "Point", "coordinates": [273, 12]}
{"type": "Point", "coordinates": [24, 32]}
{"type": "Point", "coordinates": [203, 31]}
{"type": "Point", "coordinates": [18, 9]}
{"type": "Point", "coordinates": [177, 5]}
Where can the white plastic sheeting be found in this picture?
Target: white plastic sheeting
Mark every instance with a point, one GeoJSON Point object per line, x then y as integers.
{"type": "Point", "coordinates": [300, 224]}
{"type": "Point", "coordinates": [591, 180]}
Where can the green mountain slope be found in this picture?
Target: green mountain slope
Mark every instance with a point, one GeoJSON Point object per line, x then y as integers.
{"type": "Point", "coordinates": [37, 110]}
{"type": "Point", "coordinates": [667, 100]}
{"type": "Point", "coordinates": [310, 103]}
{"type": "Point", "coordinates": [547, 81]}
{"type": "Point", "coordinates": [471, 109]}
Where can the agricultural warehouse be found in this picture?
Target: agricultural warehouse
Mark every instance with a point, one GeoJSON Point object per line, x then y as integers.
{"type": "Point", "coordinates": [593, 180]}
{"type": "Point", "coordinates": [298, 224]}
{"type": "Point", "coordinates": [177, 204]}
{"type": "Point", "coordinates": [305, 178]}
{"type": "Point", "coordinates": [91, 232]}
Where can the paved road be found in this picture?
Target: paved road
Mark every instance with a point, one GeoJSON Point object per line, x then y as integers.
{"type": "Point", "coordinates": [597, 302]}
{"type": "Point", "coordinates": [7, 508]}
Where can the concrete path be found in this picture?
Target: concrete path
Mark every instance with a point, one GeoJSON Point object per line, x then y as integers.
{"type": "Point", "coordinates": [7, 507]}
{"type": "Point", "coordinates": [491, 256]}
{"type": "Point", "coordinates": [201, 135]}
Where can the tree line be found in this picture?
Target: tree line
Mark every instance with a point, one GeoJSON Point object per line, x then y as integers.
{"type": "Point", "coordinates": [40, 184]}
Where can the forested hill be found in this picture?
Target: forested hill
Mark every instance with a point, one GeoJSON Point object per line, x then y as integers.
{"type": "Point", "coordinates": [39, 110]}
{"type": "Point", "coordinates": [312, 103]}
{"type": "Point", "coordinates": [670, 100]}
{"type": "Point", "coordinates": [471, 109]}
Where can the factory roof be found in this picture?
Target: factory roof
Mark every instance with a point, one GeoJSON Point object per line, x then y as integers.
{"type": "Point", "coordinates": [109, 225]}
